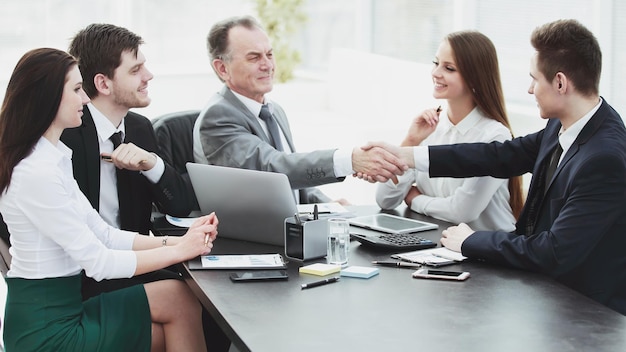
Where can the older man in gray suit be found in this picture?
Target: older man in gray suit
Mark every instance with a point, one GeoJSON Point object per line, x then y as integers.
{"type": "Point", "coordinates": [241, 128]}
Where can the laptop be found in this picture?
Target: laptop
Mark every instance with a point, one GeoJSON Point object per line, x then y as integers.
{"type": "Point", "coordinates": [251, 205]}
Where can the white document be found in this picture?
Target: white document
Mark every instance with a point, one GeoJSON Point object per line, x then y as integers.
{"type": "Point", "coordinates": [243, 261]}
{"type": "Point", "coordinates": [431, 256]}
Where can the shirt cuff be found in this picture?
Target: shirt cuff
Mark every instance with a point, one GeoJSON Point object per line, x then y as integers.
{"type": "Point", "coordinates": [420, 203]}
{"type": "Point", "coordinates": [154, 175]}
{"type": "Point", "coordinates": [421, 157]}
{"type": "Point", "coordinates": [342, 162]}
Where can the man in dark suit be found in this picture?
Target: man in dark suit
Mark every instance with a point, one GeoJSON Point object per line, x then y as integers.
{"type": "Point", "coordinates": [573, 224]}
{"type": "Point", "coordinates": [114, 159]}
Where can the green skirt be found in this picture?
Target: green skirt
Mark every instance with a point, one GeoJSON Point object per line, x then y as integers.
{"type": "Point", "coordinates": [49, 315]}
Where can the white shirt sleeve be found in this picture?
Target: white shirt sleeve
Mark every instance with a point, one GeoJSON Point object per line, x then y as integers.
{"type": "Point", "coordinates": [154, 175]}
{"type": "Point", "coordinates": [342, 162]}
{"type": "Point", "coordinates": [61, 213]}
{"type": "Point", "coordinates": [464, 205]}
{"type": "Point", "coordinates": [390, 195]}
{"type": "Point", "coordinates": [421, 157]}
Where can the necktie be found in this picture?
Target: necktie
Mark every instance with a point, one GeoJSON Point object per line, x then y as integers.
{"type": "Point", "coordinates": [543, 180]}
{"type": "Point", "coordinates": [272, 127]}
{"type": "Point", "coordinates": [116, 138]}
{"type": "Point", "coordinates": [554, 162]}
{"type": "Point", "coordinates": [122, 178]}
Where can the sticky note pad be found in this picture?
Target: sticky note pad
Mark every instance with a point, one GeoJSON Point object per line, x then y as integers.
{"type": "Point", "coordinates": [363, 272]}
{"type": "Point", "coordinates": [320, 269]}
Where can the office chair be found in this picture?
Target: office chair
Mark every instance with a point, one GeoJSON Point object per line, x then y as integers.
{"type": "Point", "coordinates": [5, 256]}
{"type": "Point", "coordinates": [174, 134]}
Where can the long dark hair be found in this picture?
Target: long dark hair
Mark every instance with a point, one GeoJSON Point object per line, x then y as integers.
{"type": "Point", "coordinates": [30, 105]}
{"type": "Point", "coordinates": [477, 61]}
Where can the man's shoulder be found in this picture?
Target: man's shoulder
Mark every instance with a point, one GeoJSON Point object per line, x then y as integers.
{"type": "Point", "coordinates": [136, 120]}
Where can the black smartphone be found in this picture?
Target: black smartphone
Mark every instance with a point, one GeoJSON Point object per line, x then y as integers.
{"type": "Point", "coordinates": [259, 275]}
{"type": "Point", "coordinates": [441, 274]}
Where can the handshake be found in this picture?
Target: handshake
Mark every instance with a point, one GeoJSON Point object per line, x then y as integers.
{"type": "Point", "coordinates": [380, 161]}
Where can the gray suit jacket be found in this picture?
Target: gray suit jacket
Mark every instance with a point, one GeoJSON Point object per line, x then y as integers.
{"type": "Point", "coordinates": [226, 133]}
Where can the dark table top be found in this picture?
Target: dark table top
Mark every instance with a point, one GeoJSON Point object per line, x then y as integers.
{"type": "Point", "coordinates": [496, 309]}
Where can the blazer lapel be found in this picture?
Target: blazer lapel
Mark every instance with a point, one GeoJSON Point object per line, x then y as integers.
{"type": "Point", "coordinates": [253, 121]}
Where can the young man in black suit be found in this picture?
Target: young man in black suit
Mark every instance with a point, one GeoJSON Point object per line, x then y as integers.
{"type": "Point", "coordinates": [572, 225]}
{"type": "Point", "coordinates": [122, 176]}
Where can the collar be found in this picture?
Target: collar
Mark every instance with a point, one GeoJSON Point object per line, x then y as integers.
{"type": "Point", "coordinates": [567, 137]}
{"type": "Point", "coordinates": [466, 124]}
{"type": "Point", "coordinates": [104, 127]}
{"type": "Point", "coordinates": [58, 153]}
{"type": "Point", "coordinates": [253, 105]}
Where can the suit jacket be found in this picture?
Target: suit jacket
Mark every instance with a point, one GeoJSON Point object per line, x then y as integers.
{"type": "Point", "coordinates": [580, 232]}
{"type": "Point", "coordinates": [169, 194]}
{"type": "Point", "coordinates": [228, 134]}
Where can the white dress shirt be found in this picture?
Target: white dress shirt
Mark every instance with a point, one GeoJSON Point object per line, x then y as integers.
{"type": "Point", "coordinates": [481, 202]}
{"type": "Point", "coordinates": [54, 230]}
{"type": "Point", "coordinates": [109, 205]}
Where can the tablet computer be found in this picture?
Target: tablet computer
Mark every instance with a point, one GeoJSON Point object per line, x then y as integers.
{"type": "Point", "coordinates": [391, 223]}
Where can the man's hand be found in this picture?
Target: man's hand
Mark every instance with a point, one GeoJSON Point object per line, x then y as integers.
{"type": "Point", "coordinates": [377, 163]}
{"type": "Point", "coordinates": [404, 156]}
{"type": "Point", "coordinates": [454, 236]}
{"type": "Point", "coordinates": [131, 157]}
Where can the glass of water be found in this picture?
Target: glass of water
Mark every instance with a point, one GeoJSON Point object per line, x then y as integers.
{"type": "Point", "coordinates": [338, 245]}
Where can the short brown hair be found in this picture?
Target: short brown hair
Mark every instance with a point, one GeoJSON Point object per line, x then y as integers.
{"type": "Point", "coordinates": [98, 49]}
{"type": "Point", "coordinates": [567, 46]}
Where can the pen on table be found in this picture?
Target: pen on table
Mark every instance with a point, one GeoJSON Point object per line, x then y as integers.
{"type": "Point", "coordinates": [316, 213]}
{"type": "Point", "coordinates": [330, 280]}
{"type": "Point", "coordinates": [397, 264]}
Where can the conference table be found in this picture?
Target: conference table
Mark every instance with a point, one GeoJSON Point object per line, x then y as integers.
{"type": "Point", "coordinates": [496, 309]}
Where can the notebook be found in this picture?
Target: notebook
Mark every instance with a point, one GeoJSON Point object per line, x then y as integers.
{"type": "Point", "coordinates": [251, 205]}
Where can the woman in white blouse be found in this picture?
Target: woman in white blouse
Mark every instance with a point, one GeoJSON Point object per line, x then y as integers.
{"type": "Point", "coordinates": [467, 75]}
{"type": "Point", "coordinates": [56, 234]}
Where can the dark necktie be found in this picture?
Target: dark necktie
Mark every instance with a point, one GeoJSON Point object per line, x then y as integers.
{"type": "Point", "coordinates": [554, 162]}
{"type": "Point", "coordinates": [272, 127]}
{"type": "Point", "coordinates": [543, 181]}
{"type": "Point", "coordinates": [116, 138]}
{"type": "Point", "coordinates": [122, 177]}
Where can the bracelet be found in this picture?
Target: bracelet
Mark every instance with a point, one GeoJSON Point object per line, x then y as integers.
{"type": "Point", "coordinates": [164, 242]}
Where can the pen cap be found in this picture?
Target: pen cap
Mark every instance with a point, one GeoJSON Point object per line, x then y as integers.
{"type": "Point", "coordinates": [306, 240]}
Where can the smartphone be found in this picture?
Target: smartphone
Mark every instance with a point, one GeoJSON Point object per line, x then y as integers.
{"type": "Point", "coordinates": [259, 275]}
{"type": "Point", "coordinates": [441, 274]}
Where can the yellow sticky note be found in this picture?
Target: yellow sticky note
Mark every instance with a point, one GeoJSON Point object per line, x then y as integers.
{"type": "Point", "coordinates": [320, 269]}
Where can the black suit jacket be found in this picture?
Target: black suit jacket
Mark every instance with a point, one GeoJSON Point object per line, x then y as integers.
{"type": "Point", "coordinates": [169, 194]}
{"type": "Point", "coordinates": [580, 232]}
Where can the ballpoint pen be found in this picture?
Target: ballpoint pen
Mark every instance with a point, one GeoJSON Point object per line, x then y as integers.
{"type": "Point", "coordinates": [316, 214]}
{"type": "Point", "coordinates": [439, 109]}
{"type": "Point", "coordinates": [397, 264]}
{"type": "Point", "coordinates": [330, 280]}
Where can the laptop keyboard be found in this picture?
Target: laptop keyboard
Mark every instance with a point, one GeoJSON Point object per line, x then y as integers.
{"type": "Point", "coordinates": [409, 241]}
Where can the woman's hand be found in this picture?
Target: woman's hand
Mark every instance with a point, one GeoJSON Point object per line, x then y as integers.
{"type": "Point", "coordinates": [421, 127]}
{"type": "Point", "coordinates": [199, 237]}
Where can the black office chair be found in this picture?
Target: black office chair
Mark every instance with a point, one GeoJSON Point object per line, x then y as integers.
{"type": "Point", "coordinates": [174, 134]}
{"type": "Point", "coordinates": [5, 256]}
